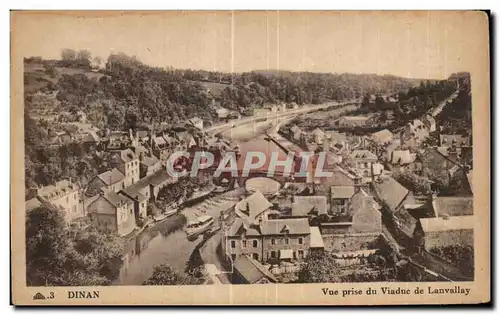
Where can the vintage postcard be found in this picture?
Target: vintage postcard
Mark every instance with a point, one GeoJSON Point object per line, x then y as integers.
{"type": "Point", "coordinates": [250, 157]}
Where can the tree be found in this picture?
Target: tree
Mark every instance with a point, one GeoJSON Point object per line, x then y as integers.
{"type": "Point", "coordinates": [58, 256]}
{"type": "Point", "coordinates": [418, 184]}
{"type": "Point", "coordinates": [165, 275]}
{"type": "Point", "coordinates": [68, 54]}
{"type": "Point", "coordinates": [319, 268]}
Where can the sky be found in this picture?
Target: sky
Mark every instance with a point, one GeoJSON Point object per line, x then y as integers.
{"type": "Point", "coordinates": [410, 44]}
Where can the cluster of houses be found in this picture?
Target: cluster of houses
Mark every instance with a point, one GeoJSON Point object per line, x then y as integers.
{"type": "Point", "coordinates": [343, 213]}
{"type": "Point", "coordinates": [119, 198]}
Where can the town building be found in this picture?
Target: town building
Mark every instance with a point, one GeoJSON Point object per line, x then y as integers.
{"type": "Point", "coordinates": [197, 122]}
{"type": "Point", "coordinates": [118, 140]}
{"type": "Point", "coordinates": [139, 193]}
{"type": "Point", "coordinates": [404, 160]}
{"type": "Point", "coordinates": [157, 181]}
{"type": "Point", "coordinates": [149, 166]}
{"type": "Point", "coordinates": [454, 140]}
{"type": "Point", "coordinates": [363, 161]}
{"type": "Point", "coordinates": [340, 197]}
{"type": "Point", "coordinates": [413, 134]}
{"type": "Point", "coordinates": [354, 225]}
{"type": "Point", "coordinates": [127, 162]}
{"type": "Point", "coordinates": [295, 133]}
{"type": "Point", "coordinates": [161, 149]}
{"type": "Point", "coordinates": [284, 239]}
{"type": "Point", "coordinates": [32, 203]}
{"type": "Point", "coordinates": [354, 121]}
{"type": "Point", "coordinates": [336, 142]}
{"type": "Point", "coordinates": [393, 197]}
{"type": "Point", "coordinates": [249, 271]}
{"type": "Point", "coordinates": [340, 177]}
{"type": "Point", "coordinates": [305, 206]}
{"type": "Point", "coordinates": [65, 196]}
{"type": "Point", "coordinates": [382, 137]}
{"type": "Point", "coordinates": [222, 112]}
{"type": "Point", "coordinates": [318, 135]}
{"type": "Point", "coordinates": [112, 180]}
{"type": "Point", "coordinates": [113, 212]}
{"type": "Point", "coordinates": [445, 231]}
{"type": "Point", "coordinates": [430, 123]}
{"type": "Point", "coordinates": [253, 233]}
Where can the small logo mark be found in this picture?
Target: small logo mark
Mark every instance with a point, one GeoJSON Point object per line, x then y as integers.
{"type": "Point", "coordinates": [39, 296]}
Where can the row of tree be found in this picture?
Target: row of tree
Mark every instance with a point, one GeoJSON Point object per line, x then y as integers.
{"type": "Point", "coordinates": [57, 256]}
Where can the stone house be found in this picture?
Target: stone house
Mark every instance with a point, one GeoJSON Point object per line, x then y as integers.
{"type": "Point", "coordinates": [112, 180]}
{"type": "Point", "coordinates": [113, 212]}
{"type": "Point", "coordinates": [139, 193]}
{"type": "Point", "coordinates": [65, 196]}
{"type": "Point", "coordinates": [127, 162]}
{"type": "Point", "coordinates": [356, 228]}
{"type": "Point", "coordinates": [149, 166]}
{"type": "Point", "coordinates": [445, 231]}
{"type": "Point", "coordinates": [249, 271]}
{"type": "Point", "coordinates": [393, 197]}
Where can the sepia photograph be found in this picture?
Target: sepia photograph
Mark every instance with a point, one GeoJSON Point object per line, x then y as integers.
{"type": "Point", "coordinates": [260, 149]}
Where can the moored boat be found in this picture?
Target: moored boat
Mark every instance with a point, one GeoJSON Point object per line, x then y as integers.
{"type": "Point", "coordinates": [199, 225]}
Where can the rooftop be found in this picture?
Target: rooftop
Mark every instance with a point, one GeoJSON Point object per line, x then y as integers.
{"type": "Point", "coordinates": [252, 270]}
{"type": "Point", "coordinates": [382, 136]}
{"type": "Point", "coordinates": [111, 177]}
{"type": "Point", "coordinates": [391, 192]}
{"type": "Point", "coordinates": [453, 206]}
{"type": "Point", "coordinates": [255, 203]}
{"type": "Point", "coordinates": [342, 192]}
{"type": "Point", "coordinates": [285, 226]}
{"type": "Point", "coordinates": [447, 223]}
{"type": "Point", "coordinates": [305, 205]}
{"type": "Point", "coordinates": [363, 154]}
{"type": "Point", "coordinates": [149, 161]}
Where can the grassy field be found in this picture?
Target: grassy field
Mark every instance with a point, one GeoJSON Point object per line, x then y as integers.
{"type": "Point", "coordinates": [215, 88]}
{"type": "Point", "coordinates": [36, 77]}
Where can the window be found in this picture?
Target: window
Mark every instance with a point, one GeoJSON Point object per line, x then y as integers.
{"type": "Point", "coordinates": [74, 196]}
{"type": "Point", "coordinates": [273, 254]}
{"type": "Point", "coordinates": [273, 241]}
{"type": "Point", "coordinates": [244, 243]}
{"type": "Point", "coordinates": [301, 241]}
{"type": "Point", "coordinates": [301, 254]}
{"type": "Point", "coordinates": [255, 256]}
{"type": "Point", "coordinates": [294, 255]}
{"type": "Point", "coordinates": [233, 244]}
{"type": "Point", "coordinates": [233, 257]}
{"type": "Point", "coordinates": [255, 243]}
{"type": "Point", "coordinates": [287, 241]}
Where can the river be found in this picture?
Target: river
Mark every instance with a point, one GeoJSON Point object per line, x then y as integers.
{"type": "Point", "coordinates": [156, 246]}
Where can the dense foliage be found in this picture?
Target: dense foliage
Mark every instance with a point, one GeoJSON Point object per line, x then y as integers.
{"type": "Point", "coordinates": [57, 256]}
{"type": "Point", "coordinates": [462, 256]}
{"type": "Point", "coordinates": [456, 118]}
{"type": "Point", "coordinates": [165, 275]}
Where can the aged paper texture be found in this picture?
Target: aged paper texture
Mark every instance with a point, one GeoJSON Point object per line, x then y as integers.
{"type": "Point", "coordinates": [250, 158]}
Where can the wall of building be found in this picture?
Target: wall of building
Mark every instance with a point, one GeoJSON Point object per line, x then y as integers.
{"type": "Point", "coordinates": [367, 221]}
{"type": "Point", "coordinates": [239, 249]}
{"type": "Point", "coordinates": [70, 204]}
{"type": "Point", "coordinates": [126, 219]}
{"type": "Point", "coordinates": [448, 238]}
{"type": "Point", "coordinates": [349, 242]}
{"type": "Point", "coordinates": [279, 244]}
